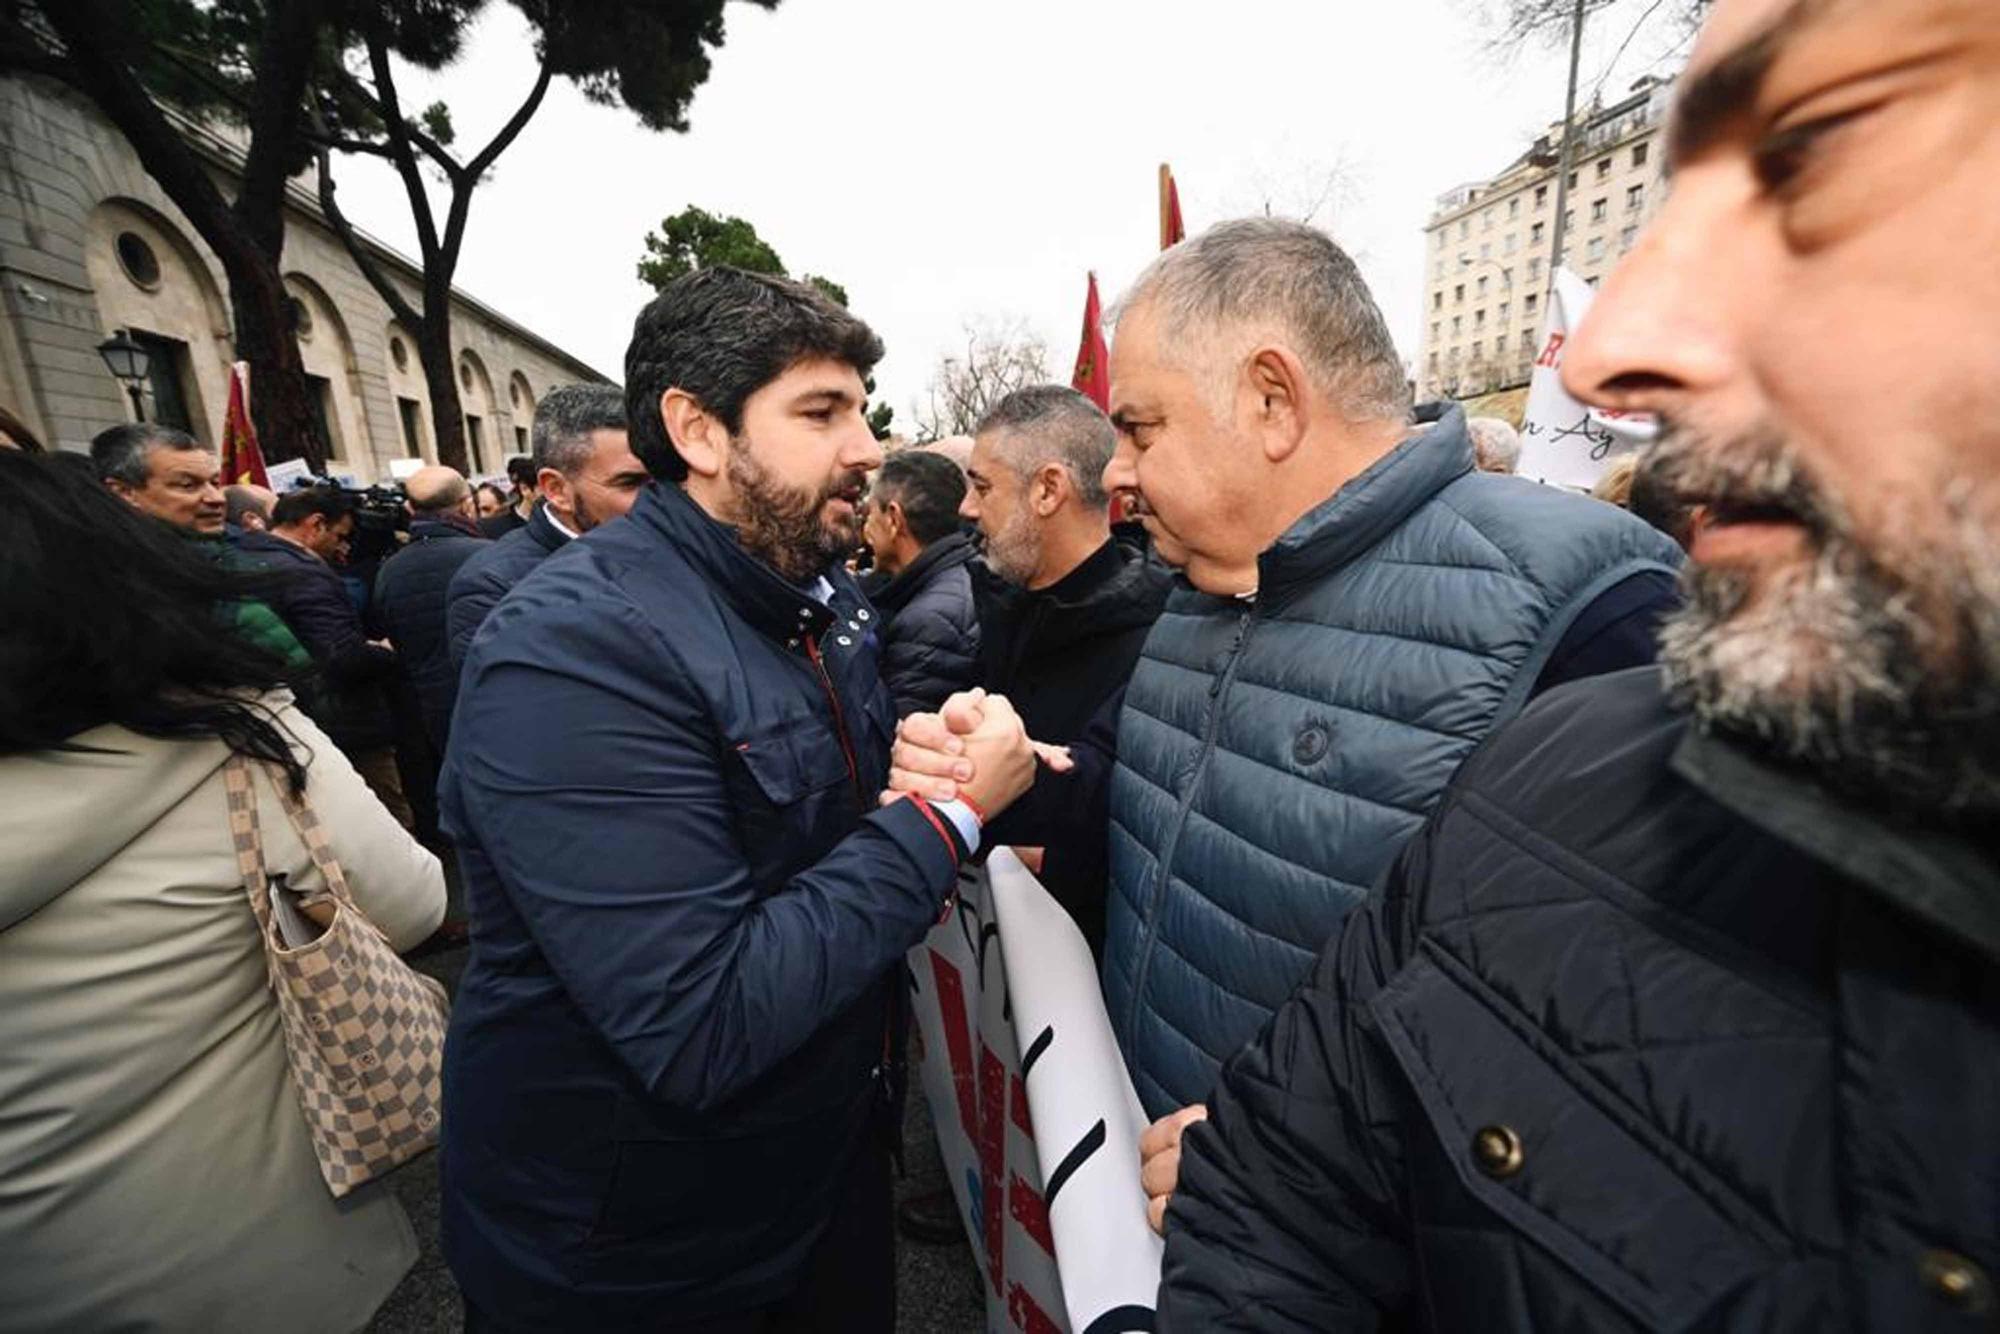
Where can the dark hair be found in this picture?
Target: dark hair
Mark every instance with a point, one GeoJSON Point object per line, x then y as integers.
{"type": "Point", "coordinates": [721, 334]}
{"type": "Point", "coordinates": [521, 470]}
{"type": "Point", "coordinates": [120, 452]}
{"type": "Point", "coordinates": [114, 618]}
{"type": "Point", "coordinates": [329, 502]}
{"type": "Point", "coordinates": [497, 493]}
{"type": "Point", "coordinates": [565, 418]}
{"type": "Point", "coordinates": [928, 486]}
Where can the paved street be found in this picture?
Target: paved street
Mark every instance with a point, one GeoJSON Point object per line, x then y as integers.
{"type": "Point", "coordinates": [937, 1286]}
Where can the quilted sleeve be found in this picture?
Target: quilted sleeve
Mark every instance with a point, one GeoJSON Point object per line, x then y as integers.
{"type": "Point", "coordinates": [1288, 1214]}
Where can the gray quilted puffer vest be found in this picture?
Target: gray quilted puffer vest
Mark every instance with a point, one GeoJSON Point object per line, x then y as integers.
{"type": "Point", "coordinates": [1275, 752]}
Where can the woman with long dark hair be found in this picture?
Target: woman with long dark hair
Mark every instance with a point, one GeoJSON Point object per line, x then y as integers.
{"type": "Point", "coordinates": [155, 1167]}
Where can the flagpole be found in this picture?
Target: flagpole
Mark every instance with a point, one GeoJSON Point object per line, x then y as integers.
{"type": "Point", "coordinates": [1166, 206]}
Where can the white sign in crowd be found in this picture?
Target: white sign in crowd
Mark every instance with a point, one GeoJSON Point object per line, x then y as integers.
{"type": "Point", "coordinates": [1564, 443]}
{"type": "Point", "coordinates": [1036, 1118]}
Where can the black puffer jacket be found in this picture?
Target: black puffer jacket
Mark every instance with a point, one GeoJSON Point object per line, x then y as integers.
{"type": "Point", "coordinates": [930, 639]}
{"type": "Point", "coordinates": [1641, 1033]}
{"type": "Point", "coordinates": [410, 607]}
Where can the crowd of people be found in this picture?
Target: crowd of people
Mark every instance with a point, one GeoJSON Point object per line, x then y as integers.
{"type": "Point", "coordinates": [1516, 910]}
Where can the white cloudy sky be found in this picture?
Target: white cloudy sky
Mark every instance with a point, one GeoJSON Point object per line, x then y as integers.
{"type": "Point", "coordinates": [952, 163]}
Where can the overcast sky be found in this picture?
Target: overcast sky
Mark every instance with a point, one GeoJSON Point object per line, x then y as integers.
{"type": "Point", "coordinates": [951, 163]}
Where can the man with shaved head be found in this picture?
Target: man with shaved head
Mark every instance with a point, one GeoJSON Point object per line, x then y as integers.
{"type": "Point", "coordinates": [1683, 1010]}
{"type": "Point", "coordinates": [410, 589]}
{"type": "Point", "coordinates": [247, 509]}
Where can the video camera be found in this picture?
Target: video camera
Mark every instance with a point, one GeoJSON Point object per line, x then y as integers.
{"type": "Point", "coordinates": [381, 513]}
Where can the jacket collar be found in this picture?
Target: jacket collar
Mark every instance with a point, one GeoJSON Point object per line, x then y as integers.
{"type": "Point", "coordinates": [1944, 878]}
{"type": "Point", "coordinates": [755, 590]}
{"type": "Point", "coordinates": [543, 529]}
{"type": "Point", "coordinates": [1369, 507]}
{"type": "Point", "coordinates": [270, 542]}
{"type": "Point", "coordinates": [947, 553]}
{"type": "Point", "coordinates": [427, 530]}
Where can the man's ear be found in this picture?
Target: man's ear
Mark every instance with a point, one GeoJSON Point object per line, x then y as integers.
{"type": "Point", "coordinates": [1047, 488]}
{"type": "Point", "coordinates": [698, 437]}
{"type": "Point", "coordinates": [1280, 408]}
{"type": "Point", "coordinates": [123, 489]}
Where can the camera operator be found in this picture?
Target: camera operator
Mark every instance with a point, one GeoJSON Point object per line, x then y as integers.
{"type": "Point", "coordinates": [312, 530]}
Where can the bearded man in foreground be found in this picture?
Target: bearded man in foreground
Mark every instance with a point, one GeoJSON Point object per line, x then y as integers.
{"type": "Point", "coordinates": [670, 1085]}
{"type": "Point", "coordinates": [1683, 1011]}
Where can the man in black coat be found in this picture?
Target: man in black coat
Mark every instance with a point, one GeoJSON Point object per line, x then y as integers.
{"type": "Point", "coordinates": [1063, 606]}
{"type": "Point", "coordinates": [1683, 1011]}
{"type": "Point", "coordinates": [670, 1072]}
{"type": "Point", "coordinates": [309, 535]}
{"type": "Point", "coordinates": [410, 589]}
{"type": "Point", "coordinates": [923, 588]}
{"type": "Point", "coordinates": [586, 474]}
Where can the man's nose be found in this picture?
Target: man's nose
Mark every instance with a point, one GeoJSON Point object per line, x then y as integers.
{"type": "Point", "coordinates": [1122, 472]}
{"type": "Point", "coordinates": [1663, 324]}
{"type": "Point", "coordinates": [968, 508]}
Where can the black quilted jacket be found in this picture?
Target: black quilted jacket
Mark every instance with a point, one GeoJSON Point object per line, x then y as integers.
{"type": "Point", "coordinates": [1641, 1033]}
{"type": "Point", "coordinates": [930, 640]}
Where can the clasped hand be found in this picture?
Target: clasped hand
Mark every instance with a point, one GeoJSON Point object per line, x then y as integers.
{"type": "Point", "coordinates": [975, 748]}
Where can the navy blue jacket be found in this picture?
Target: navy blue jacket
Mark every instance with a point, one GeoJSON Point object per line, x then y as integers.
{"type": "Point", "coordinates": [1641, 1033]}
{"type": "Point", "coordinates": [344, 695]}
{"type": "Point", "coordinates": [931, 647]}
{"type": "Point", "coordinates": [409, 605]}
{"type": "Point", "coordinates": [687, 914]}
{"type": "Point", "coordinates": [482, 581]}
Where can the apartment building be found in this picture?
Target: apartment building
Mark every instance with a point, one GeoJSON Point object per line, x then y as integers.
{"type": "Point", "coordinates": [1489, 245]}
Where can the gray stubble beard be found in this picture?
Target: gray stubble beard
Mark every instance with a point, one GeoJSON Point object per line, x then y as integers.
{"type": "Point", "coordinates": [1877, 672]}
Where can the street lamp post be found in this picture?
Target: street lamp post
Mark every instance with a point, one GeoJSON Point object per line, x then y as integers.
{"type": "Point", "coordinates": [128, 362]}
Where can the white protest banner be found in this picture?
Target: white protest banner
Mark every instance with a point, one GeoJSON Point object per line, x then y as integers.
{"type": "Point", "coordinates": [284, 476]}
{"type": "Point", "coordinates": [1564, 443]}
{"type": "Point", "coordinates": [1040, 1131]}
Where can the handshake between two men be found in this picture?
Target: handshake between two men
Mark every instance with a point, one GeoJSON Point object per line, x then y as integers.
{"type": "Point", "coordinates": [976, 750]}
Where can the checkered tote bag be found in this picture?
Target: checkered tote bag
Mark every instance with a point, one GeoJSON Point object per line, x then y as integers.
{"type": "Point", "coordinates": [364, 1031]}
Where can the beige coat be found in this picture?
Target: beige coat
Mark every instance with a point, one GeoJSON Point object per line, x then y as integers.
{"type": "Point", "coordinates": [154, 1167]}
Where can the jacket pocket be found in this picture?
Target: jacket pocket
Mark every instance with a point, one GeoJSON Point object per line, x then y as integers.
{"type": "Point", "coordinates": [794, 761]}
{"type": "Point", "coordinates": [1562, 1160]}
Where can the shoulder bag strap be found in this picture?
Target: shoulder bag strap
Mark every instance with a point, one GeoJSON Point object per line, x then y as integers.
{"type": "Point", "coordinates": [249, 841]}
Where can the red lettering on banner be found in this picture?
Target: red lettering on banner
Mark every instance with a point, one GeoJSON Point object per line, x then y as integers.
{"type": "Point", "coordinates": [1553, 352]}
{"type": "Point", "coordinates": [1025, 1203]}
{"type": "Point", "coordinates": [957, 1039]}
{"type": "Point", "coordinates": [992, 1141]}
{"type": "Point", "coordinates": [1027, 1314]}
{"type": "Point", "coordinates": [1017, 1103]}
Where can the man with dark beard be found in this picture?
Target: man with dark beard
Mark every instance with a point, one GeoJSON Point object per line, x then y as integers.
{"type": "Point", "coordinates": [1683, 1011]}
{"type": "Point", "coordinates": [671, 1079]}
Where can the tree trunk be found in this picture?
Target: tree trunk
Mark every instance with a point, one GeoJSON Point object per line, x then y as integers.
{"type": "Point", "coordinates": [441, 376]}
{"type": "Point", "coordinates": [280, 399]}
{"type": "Point", "coordinates": [248, 237]}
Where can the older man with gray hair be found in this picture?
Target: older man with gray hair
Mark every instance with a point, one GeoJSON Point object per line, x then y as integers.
{"type": "Point", "coordinates": [1363, 607]}
{"type": "Point", "coordinates": [586, 474]}
{"type": "Point", "coordinates": [1496, 446]}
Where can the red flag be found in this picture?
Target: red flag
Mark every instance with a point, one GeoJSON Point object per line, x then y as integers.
{"type": "Point", "coordinates": [1172, 231]}
{"type": "Point", "coordinates": [242, 461]}
{"type": "Point", "coordinates": [1093, 359]}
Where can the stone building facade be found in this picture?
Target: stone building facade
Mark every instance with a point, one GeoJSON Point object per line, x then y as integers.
{"type": "Point", "coordinates": [1488, 246]}
{"type": "Point", "coordinates": [90, 245]}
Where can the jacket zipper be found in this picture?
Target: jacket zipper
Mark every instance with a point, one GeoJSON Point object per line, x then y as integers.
{"type": "Point", "coordinates": [880, 1074]}
{"type": "Point", "coordinates": [1217, 694]}
{"type": "Point", "coordinates": [839, 717]}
